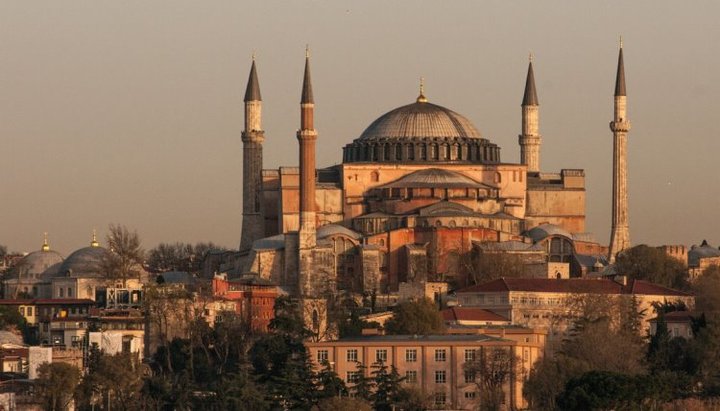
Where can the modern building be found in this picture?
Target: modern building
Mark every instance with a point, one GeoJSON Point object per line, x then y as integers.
{"type": "Point", "coordinates": [434, 363]}
{"type": "Point", "coordinates": [546, 303]}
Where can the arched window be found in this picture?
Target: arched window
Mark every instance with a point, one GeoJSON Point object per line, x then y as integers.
{"type": "Point", "coordinates": [398, 151]}
{"type": "Point", "coordinates": [374, 176]}
{"type": "Point", "coordinates": [498, 177]}
{"type": "Point", "coordinates": [452, 224]}
{"type": "Point", "coordinates": [316, 321]}
{"type": "Point", "coordinates": [410, 152]}
{"type": "Point", "coordinates": [386, 152]}
{"type": "Point", "coordinates": [423, 152]}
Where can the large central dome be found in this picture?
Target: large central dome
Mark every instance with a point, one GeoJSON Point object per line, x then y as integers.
{"type": "Point", "coordinates": [419, 120]}
{"type": "Point", "coordinates": [421, 132]}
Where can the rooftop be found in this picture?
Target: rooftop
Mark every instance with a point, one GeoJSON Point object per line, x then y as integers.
{"type": "Point", "coordinates": [573, 285]}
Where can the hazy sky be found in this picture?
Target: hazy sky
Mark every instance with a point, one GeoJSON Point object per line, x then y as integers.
{"type": "Point", "coordinates": [130, 112]}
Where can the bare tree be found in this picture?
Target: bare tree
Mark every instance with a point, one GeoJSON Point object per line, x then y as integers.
{"type": "Point", "coordinates": [124, 261]}
{"type": "Point", "coordinates": [493, 369]}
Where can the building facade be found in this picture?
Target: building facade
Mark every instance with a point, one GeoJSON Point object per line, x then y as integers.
{"type": "Point", "coordinates": [411, 196]}
{"type": "Point", "coordinates": [435, 364]}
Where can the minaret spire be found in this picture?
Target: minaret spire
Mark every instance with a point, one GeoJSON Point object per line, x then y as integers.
{"type": "Point", "coordinates": [306, 137]}
{"type": "Point", "coordinates": [253, 136]}
{"type": "Point", "coordinates": [620, 126]}
{"type": "Point", "coordinates": [530, 138]}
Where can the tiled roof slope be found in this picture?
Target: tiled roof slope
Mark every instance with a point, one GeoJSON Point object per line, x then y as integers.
{"type": "Point", "coordinates": [470, 314]}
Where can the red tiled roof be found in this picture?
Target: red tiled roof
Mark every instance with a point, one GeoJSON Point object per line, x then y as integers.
{"type": "Point", "coordinates": [572, 285]}
{"type": "Point", "coordinates": [470, 314]}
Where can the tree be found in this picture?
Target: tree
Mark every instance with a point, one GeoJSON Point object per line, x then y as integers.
{"type": "Point", "coordinates": [343, 404]}
{"type": "Point", "coordinates": [3, 251]}
{"type": "Point", "coordinates": [10, 318]}
{"type": "Point", "coordinates": [56, 385]}
{"type": "Point", "coordinates": [329, 384]}
{"type": "Point", "coordinates": [115, 380]}
{"type": "Point", "coordinates": [178, 256]}
{"type": "Point", "coordinates": [364, 385]}
{"type": "Point", "coordinates": [652, 264]}
{"type": "Point", "coordinates": [492, 368]}
{"type": "Point", "coordinates": [602, 390]}
{"type": "Point", "coordinates": [280, 359]}
{"type": "Point", "coordinates": [419, 317]}
{"type": "Point", "coordinates": [411, 398]}
{"type": "Point", "coordinates": [387, 387]}
{"type": "Point", "coordinates": [124, 261]}
{"type": "Point", "coordinates": [603, 336]}
{"type": "Point", "coordinates": [491, 266]}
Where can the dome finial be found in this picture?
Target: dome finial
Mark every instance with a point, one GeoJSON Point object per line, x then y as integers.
{"type": "Point", "coordinates": [94, 242]}
{"type": "Point", "coordinates": [46, 245]}
{"type": "Point", "coordinates": [421, 98]}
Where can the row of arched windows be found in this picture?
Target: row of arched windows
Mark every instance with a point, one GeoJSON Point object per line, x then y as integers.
{"type": "Point", "coordinates": [422, 151]}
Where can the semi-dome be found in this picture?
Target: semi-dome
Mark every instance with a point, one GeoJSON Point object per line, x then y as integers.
{"type": "Point", "coordinates": [85, 262]}
{"type": "Point", "coordinates": [421, 132]}
{"type": "Point", "coordinates": [543, 231]}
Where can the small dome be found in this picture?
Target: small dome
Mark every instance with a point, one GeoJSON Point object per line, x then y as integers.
{"type": "Point", "coordinates": [703, 251]}
{"type": "Point", "coordinates": [420, 120]}
{"type": "Point", "coordinates": [85, 262]}
{"type": "Point", "coordinates": [543, 231]}
{"type": "Point", "coordinates": [36, 263]}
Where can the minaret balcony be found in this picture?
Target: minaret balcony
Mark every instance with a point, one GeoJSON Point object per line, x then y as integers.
{"type": "Point", "coordinates": [620, 126]}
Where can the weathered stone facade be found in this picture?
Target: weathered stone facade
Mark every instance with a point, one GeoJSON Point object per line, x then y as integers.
{"type": "Point", "coordinates": [414, 192]}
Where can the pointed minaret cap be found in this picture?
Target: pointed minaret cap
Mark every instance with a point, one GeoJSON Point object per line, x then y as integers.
{"type": "Point", "coordinates": [620, 79]}
{"type": "Point", "coordinates": [252, 93]}
{"type": "Point", "coordinates": [94, 242]}
{"type": "Point", "coordinates": [307, 93]}
{"type": "Point", "coordinates": [46, 245]}
{"type": "Point", "coordinates": [530, 97]}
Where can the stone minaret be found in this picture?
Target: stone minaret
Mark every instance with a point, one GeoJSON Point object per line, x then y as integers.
{"type": "Point", "coordinates": [306, 137]}
{"type": "Point", "coordinates": [620, 126]}
{"type": "Point", "coordinates": [530, 138]}
{"type": "Point", "coordinates": [252, 138]}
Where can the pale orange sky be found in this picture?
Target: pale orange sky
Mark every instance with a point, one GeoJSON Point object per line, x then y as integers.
{"type": "Point", "coordinates": [130, 112]}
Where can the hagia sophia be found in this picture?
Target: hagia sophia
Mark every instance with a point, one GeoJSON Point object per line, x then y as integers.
{"type": "Point", "coordinates": [419, 196]}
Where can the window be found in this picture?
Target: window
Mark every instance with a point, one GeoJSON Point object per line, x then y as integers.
{"type": "Point", "coordinates": [411, 355]}
{"type": "Point", "coordinates": [352, 377]}
{"type": "Point", "coordinates": [69, 294]}
{"type": "Point", "coordinates": [29, 311]}
{"type": "Point", "coordinates": [322, 356]}
{"type": "Point", "coordinates": [440, 377]}
{"type": "Point", "coordinates": [381, 355]}
{"type": "Point", "coordinates": [470, 395]}
{"type": "Point", "coordinates": [352, 355]}
{"type": "Point", "coordinates": [440, 355]}
{"type": "Point", "coordinates": [469, 355]}
{"type": "Point", "coordinates": [411, 377]}
{"type": "Point", "coordinates": [22, 311]}
{"type": "Point", "coordinates": [440, 398]}
{"type": "Point", "coordinates": [469, 377]}
{"type": "Point", "coordinates": [61, 292]}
